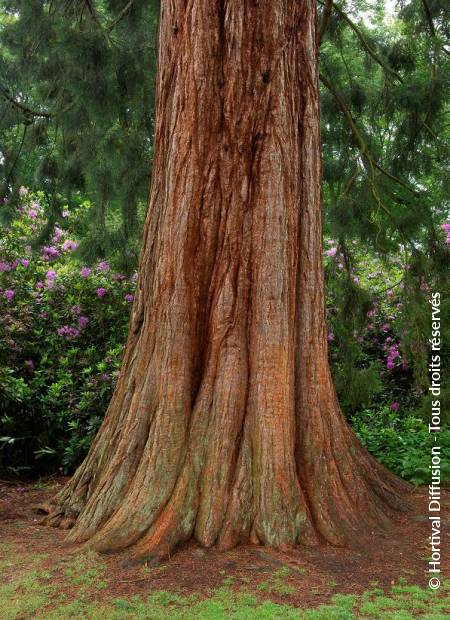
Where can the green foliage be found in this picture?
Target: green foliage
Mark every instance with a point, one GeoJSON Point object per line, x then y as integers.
{"type": "Point", "coordinates": [76, 104]}
{"type": "Point", "coordinates": [402, 443]}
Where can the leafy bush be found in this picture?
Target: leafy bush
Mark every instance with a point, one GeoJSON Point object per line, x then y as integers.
{"type": "Point", "coordinates": [401, 443]}
{"type": "Point", "coordinates": [62, 328]}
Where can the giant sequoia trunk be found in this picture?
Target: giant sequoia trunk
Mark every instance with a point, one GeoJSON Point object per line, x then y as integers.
{"type": "Point", "coordinates": [224, 425]}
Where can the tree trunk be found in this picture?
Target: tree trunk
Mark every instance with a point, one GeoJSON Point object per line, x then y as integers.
{"type": "Point", "coordinates": [224, 425]}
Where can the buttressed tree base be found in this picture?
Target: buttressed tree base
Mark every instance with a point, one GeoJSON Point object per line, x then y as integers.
{"type": "Point", "coordinates": [224, 426]}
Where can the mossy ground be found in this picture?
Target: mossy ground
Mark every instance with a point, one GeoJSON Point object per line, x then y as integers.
{"type": "Point", "coordinates": [71, 589]}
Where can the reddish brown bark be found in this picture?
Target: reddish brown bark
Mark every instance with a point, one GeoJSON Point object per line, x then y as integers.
{"type": "Point", "coordinates": [224, 425]}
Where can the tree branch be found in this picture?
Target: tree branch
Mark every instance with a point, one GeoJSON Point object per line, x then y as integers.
{"type": "Point", "coordinates": [362, 145]}
{"type": "Point", "coordinates": [22, 106]}
{"type": "Point", "coordinates": [325, 19]}
{"type": "Point", "coordinates": [121, 15]}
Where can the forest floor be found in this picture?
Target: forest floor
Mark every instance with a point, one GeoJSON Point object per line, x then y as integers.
{"type": "Point", "coordinates": [41, 576]}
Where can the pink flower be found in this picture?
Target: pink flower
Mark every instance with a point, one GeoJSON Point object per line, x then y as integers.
{"type": "Point", "coordinates": [446, 227]}
{"type": "Point", "coordinates": [395, 406]}
{"type": "Point", "coordinates": [25, 262]}
{"type": "Point", "coordinates": [331, 252]}
{"type": "Point", "coordinates": [57, 234]}
{"type": "Point", "coordinates": [129, 297]}
{"type": "Point", "coordinates": [103, 265]}
{"type": "Point", "coordinates": [23, 191]}
{"type": "Point", "coordinates": [4, 266]}
{"type": "Point", "coordinates": [393, 352]}
{"type": "Point", "coordinates": [29, 364]}
{"type": "Point", "coordinates": [75, 309]}
{"type": "Point", "coordinates": [69, 245]}
{"type": "Point", "coordinates": [330, 336]}
{"type": "Point", "coordinates": [83, 321]}
{"type": "Point", "coordinates": [390, 364]}
{"type": "Point", "coordinates": [385, 327]}
{"type": "Point", "coordinates": [39, 284]}
{"type": "Point", "coordinates": [32, 213]}
{"type": "Point", "coordinates": [68, 332]}
{"type": "Point", "coordinates": [51, 274]}
{"type": "Point", "coordinates": [85, 272]}
{"type": "Point", "coordinates": [49, 253]}
{"type": "Point", "coordinates": [65, 213]}
{"type": "Point", "coordinates": [9, 294]}
{"type": "Point", "coordinates": [101, 292]}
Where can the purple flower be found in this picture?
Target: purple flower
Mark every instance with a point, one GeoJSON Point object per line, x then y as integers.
{"type": "Point", "coordinates": [39, 284]}
{"type": "Point", "coordinates": [101, 292]}
{"type": "Point", "coordinates": [57, 234]}
{"type": "Point", "coordinates": [85, 272]}
{"type": "Point", "coordinates": [51, 274]}
{"type": "Point", "coordinates": [75, 309]}
{"type": "Point", "coordinates": [9, 294]}
{"type": "Point", "coordinates": [29, 364]}
{"type": "Point", "coordinates": [69, 245]}
{"type": "Point", "coordinates": [82, 322]}
{"type": "Point", "coordinates": [330, 336]}
{"type": "Point", "coordinates": [68, 332]}
{"type": "Point", "coordinates": [24, 262]}
{"type": "Point", "coordinates": [23, 191]}
{"type": "Point", "coordinates": [134, 277]}
{"type": "Point", "coordinates": [393, 352]}
{"type": "Point", "coordinates": [103, 265]}
{"type": "Point", "coordinates": [49, 253]}
{"type": "Point", "coordinates": [331, 252]}
{"type": "Point", "coordinates": [129, 297]}
{"type": "Point", "coordinates": [104, 376]}
{"type": "Point", "coordinates": [32, 213]}
{"type": "Point", "coordinates": [395, 406]}
{"type": "Point", "coordinates": [385, 327]}
{"type": "Point", "coordinates": [446, 227]}
{"type": "Point", "coordinates": [65, 213]}
{"type": "Point", "coordinates": [118, 277]}
{"type": "Point", "coordinates": [390, 364]}
{"type": "Point", "coordinates": [4, 266]}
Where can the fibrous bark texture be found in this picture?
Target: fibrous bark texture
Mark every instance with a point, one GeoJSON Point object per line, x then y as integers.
{"type": "Point", "coordinates": [224, 425]}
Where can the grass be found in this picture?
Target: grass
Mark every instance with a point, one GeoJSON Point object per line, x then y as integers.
{"type": "Point", "coordinates": [69, 590]}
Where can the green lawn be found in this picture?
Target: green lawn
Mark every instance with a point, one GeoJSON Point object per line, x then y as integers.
{"type": "Point", "coordinates": [73, 589]}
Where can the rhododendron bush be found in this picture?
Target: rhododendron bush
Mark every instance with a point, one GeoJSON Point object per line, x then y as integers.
{"type": "Point", "coordinates": [62, 329]}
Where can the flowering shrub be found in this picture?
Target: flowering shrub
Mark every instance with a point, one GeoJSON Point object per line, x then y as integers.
{"type": "Point", "coordinates": [62, 329]}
